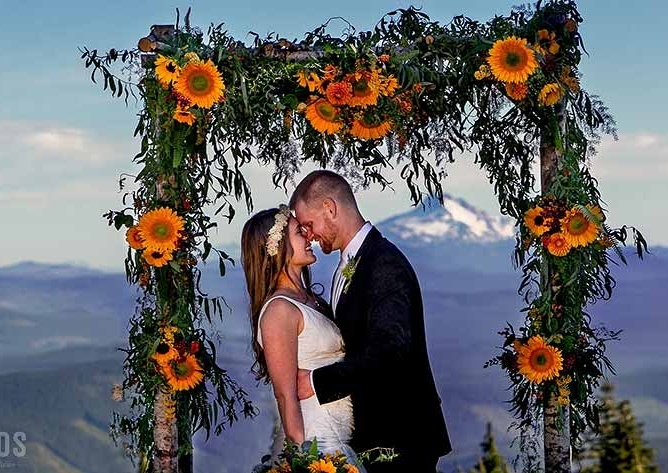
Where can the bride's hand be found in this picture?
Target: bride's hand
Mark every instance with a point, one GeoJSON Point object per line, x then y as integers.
{"type": "Point", "coordinates": [304, 388]}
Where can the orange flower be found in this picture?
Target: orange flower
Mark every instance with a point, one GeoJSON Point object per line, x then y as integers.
{"type": "Point", "coordinates": [166, 70]}
{"type": "Point", "coordinates": [339, 93]}
{"type": "Point", "coordinates": [534, 219]}
{"type": "Point", "coordinates": [550, 94]}
{"type": "Point", "coordinates": [363, 130]}
{"type": "Point", "coordinates": [323, 116]}
{"type": "Point", "coordinates": [183, 373]}
{"type": "Point", "coordinates": [159, 229]}
{"type": "Point", "coordinates": [157, 258]}
{"type": "Point", "coordinates": [578, 229]}
{"type": "Point", "coordinates": [309, 80]}
{"type": "Point", "coordinates": [184, 116]}
{"type": "Point", "coordinates": [557, 244]}
{"type": "Point", "coordinates": [516, 91]}
{"type": "Point", "coordinates": [365, 88]}
{"type": "Point", "coordinates": [322, 466]}
{"type": "Point", "coordinates": [134, 239]}
{"type": "Point", "coordinates": [511, 60]}
{"type": "Point", "coordinates": [538, 361]}
{"type": "Point", "coordinates": [201, 83]}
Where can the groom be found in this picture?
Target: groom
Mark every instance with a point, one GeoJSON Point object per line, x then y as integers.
{"type": "Point", "coordinates": [377, 305]}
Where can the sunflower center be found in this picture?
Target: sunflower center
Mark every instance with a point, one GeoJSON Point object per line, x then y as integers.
{"type": "Point", "coordinates": [182, 370]}
{"type": "Point", "coordinates": [171, 67]}
{"type": "Point", "coordinates": [514, 59]}
{"type": "Point", "coordinates": [326, 111]}
{"type": "Point", "coordinates": [577, 225]}
{"type": "Point", "coordinates": [539, 220]}
{"type": "Point", "coordinates": [541, 360]}
{"type": "Point", "coordinates": [161, 231]}
{"type": "Point", "coordinates": [361, 88]}
{"type": "Point", "coordinates": [199, 84]}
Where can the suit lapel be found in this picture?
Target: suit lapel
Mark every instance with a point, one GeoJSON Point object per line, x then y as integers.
{"type": "Point", "coordinates": [371, 239]}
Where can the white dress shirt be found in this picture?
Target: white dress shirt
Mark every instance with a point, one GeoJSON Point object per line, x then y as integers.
{"type": "Point", "coordinates": [350, 251]}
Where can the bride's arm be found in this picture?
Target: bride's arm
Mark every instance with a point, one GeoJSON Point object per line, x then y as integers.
{"type": "Point", "coordinates": [280, 326]}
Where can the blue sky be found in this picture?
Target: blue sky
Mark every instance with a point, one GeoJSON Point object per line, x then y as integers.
{"type": "Point", "coordinates": [65, 142]}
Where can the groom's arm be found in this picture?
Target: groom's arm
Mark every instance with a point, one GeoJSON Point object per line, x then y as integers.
{"type": "Point", "coordinates": [390, 285]}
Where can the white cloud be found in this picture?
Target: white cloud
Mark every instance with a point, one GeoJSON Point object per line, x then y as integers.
{"type": "Point", "coordinates": [633, 158]}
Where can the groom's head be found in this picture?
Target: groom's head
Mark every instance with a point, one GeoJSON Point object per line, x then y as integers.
{"type": "Point", "coordinates": [325, 206]}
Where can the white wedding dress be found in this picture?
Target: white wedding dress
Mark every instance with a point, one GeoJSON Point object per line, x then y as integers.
{"type": "Point", "coordinates": [319, 344]}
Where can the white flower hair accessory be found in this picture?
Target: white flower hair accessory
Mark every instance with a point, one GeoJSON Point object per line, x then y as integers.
{"type": "Point", "coordinates": [276, 232]}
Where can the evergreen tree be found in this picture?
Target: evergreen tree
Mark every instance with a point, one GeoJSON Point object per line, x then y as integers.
{"type": "Point", "coordinates": [491, 461]}
{"type": "Point", "coordinates": [619, 446]}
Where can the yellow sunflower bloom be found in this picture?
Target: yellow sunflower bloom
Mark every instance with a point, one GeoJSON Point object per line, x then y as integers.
{"type": "Point", "coordinates": [365, 131]}
{"type": "Point", "coordinates": [578, 229]}
{"type": "Point", "coordinates": [534, 219]}
{"type": "Point", "coordinates": [557, 244]}
{"type": "Point", "coordinates": [537, 361]}
{"type": "Point", "coordinates": [365, 88]}
{"type": "Point", "coordinates": [166, 70]}
{"type": "Point", "coordinates": [351, 469]}
{"type": "Point", "coordinates": [184, 116]}
{"type": "Point", "coordinates": [323, 116]}
{"type": "Point", "coordinates": [201, 83]}
{"type": "Point", "coordinates": [388, 85]}
{"type": "Point", "coordinates": [134, 239]}
{"type": "Point", "coordinates": [164, 354]}
{"type": "Point", "coordinates": [184, 373]}
{"type": "Point", "coordinates": [339, 93]}
{"type": "Point", "coordinates": [157, 258]}
{"type": "Point", "coordinates": [511, 60]}
{"type": "Point", "coordinates": [309, 80]}
{"type": "Point", "coordinates": [516, 91]}
{"type": "Point", "coordinates": [550, 94]}
{"type": "Point", "coordinates": [321, 466]}
{"type": "Point", "coordinates": [159, 229]}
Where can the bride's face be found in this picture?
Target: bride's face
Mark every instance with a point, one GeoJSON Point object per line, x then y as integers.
{"type": "Point", "coordinates": [302, 254]}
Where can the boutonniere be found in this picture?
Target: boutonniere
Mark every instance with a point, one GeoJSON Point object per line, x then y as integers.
{"type": "Point", "coordinates": [348, 271]}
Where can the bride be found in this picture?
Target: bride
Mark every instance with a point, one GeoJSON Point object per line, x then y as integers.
{"type": "Point", "coordinates": [292, 329]}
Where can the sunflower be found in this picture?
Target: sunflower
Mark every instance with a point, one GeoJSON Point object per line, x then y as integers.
{"type": "Point", "coordinates": [557, 244]}
{"type": "Point", "coordinates": [184, 373]}
{"type": "Point", "coordinates": [201, 83]}
{"type": "Point", "coordinates": [365, 88]}
{"type": "Point", "coordinates": [164, 354]}
{"type": "Point", "coordinates": [351, 468]}
{"type": "Point", "coordinates": [578, 229]}
{"type": "Point", "coordinates": [388, 85]}
{"type": "Point", "coordinates": [339, 93]}
{"type": "Point", "coordinates": [538, 361]}
{"type": "Point", "coordinates": [511, 60]}
{"type": "Point", "coordinates": [309, 80]}
{"type": "Point", "coordinates": [323, 116]}
{"type": "Point", "coordinates": [536, 221]}
{"type": "Point", "coordinates": [160, 229]}
{"type": "Point", "coordinates": [133, 238]}
{"type": "Point", "coordinates": [321, 466]}
{"type": "Point", "coordinates": [166, 70]}
{"type": "Point", "coordinates": [550, 94]}
{"type": "Point", "coordinates": [184, 116]}
{"type": "Point", "coordinates": [365, 131]}
{"type": "Point", "coordinates": [157, 258]}
{"type": "Point", "coordinates": [516, 91]}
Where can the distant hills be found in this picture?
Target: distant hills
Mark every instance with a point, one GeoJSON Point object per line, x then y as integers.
{"type": "Point", "coordinates": [60, 326]}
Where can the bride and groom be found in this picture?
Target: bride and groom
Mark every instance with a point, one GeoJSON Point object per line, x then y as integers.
{"type": "Point", "coordinates": [355, 374]}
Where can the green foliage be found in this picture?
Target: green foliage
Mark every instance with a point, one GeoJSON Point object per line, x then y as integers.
{"type": "Point", "coordinates": [446, 103]}
{"type": "Point", "coordinates": [491, 461]}
{"type": "Point", "coordinates": [618, 446]}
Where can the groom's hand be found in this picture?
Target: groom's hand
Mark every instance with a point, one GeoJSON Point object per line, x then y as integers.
{"type": "Point", "coordinates": [304, 388]}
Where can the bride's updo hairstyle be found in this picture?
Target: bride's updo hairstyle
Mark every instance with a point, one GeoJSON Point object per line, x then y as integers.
{"type": "Point", "coordinates": [265, 252]}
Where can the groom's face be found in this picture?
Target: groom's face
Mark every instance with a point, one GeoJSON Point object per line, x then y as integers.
{"type": "Point", "coordinates": [318, 225]}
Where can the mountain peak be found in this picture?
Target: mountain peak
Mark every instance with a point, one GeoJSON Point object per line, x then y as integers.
{"type": "Point", "coordinates": [455, 220]}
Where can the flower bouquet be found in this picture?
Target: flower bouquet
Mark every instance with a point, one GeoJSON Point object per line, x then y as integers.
{"type": "Point", "coordinates": [305, 458]}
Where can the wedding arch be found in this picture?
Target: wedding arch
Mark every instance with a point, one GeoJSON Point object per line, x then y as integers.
{"type": "Point", "coordinates": [410, 93]}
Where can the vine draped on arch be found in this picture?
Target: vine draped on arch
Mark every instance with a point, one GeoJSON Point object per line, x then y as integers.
{"type": "Point", "coordinates": [411, 94]}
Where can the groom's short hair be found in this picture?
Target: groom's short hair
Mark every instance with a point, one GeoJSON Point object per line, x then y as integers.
{"type": "Point", "coordinates": [321, 184]}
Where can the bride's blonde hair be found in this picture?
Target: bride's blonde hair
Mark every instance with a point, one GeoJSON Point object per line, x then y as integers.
{"type": "Point", "coordinates": [262, 268]}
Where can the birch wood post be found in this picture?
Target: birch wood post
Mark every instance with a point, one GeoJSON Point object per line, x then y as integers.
{"type": "Point", "coordinates": [556, 427]}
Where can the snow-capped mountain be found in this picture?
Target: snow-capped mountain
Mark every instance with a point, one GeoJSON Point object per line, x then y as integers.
{"type": "Point", "coordinates": [454, 220]}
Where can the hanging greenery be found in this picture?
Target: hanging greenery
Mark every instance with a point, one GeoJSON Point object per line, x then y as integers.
{"type": "Point", "coordinates": [411, 94]}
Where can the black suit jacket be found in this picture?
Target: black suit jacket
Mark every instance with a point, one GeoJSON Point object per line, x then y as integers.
{"type": "Point", "coordinates": [386, 369]}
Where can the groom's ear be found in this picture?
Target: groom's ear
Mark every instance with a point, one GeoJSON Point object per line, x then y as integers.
{"type": "Point", "coordinates": [330, 206]}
